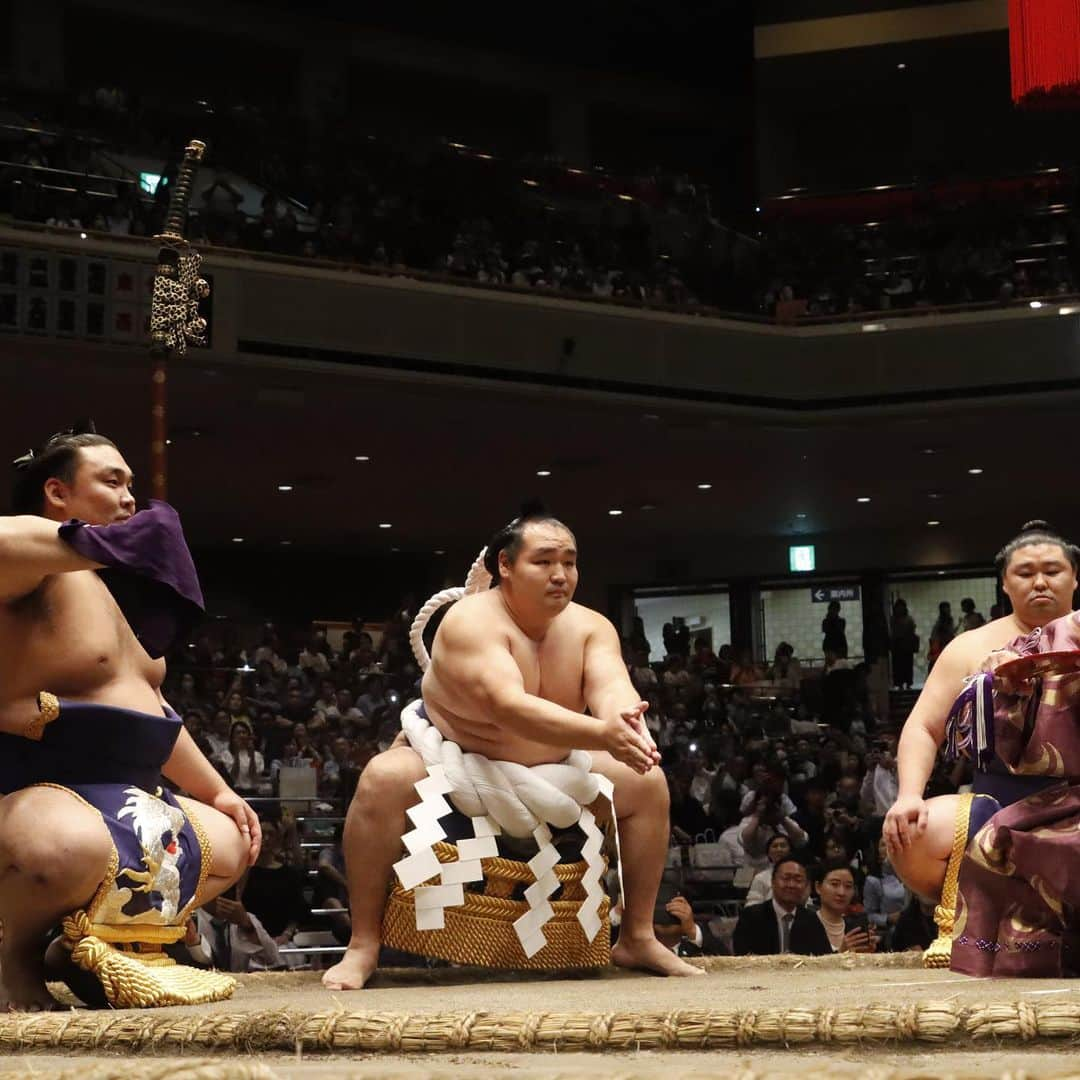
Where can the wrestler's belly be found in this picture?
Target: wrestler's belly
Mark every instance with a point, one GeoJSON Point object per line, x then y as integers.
{"type": "Point", "coordinates": [491, 741]}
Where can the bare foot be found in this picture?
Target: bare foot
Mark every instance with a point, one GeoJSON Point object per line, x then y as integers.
{"type": "Point", "coordinates": [353, 969]}
{"type": "Point", "coordinates": [649, 955]}
{"type": "Point", "coordinates": [22, 985]}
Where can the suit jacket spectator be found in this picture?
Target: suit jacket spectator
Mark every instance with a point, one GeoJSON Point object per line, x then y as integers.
{"type": "Point", "coordinates": [757, 932]}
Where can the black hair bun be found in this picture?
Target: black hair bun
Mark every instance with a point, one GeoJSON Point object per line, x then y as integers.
{"type": "Point", "coordinates": [532, 508]}
{"type": "Point", "coordinates": [1037, 526]}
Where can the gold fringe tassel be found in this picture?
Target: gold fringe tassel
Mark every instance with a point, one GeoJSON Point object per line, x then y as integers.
{"type": "Point", "coordinates": [939, 955]}
{"type": "Point", "coordinates": [141, 980]}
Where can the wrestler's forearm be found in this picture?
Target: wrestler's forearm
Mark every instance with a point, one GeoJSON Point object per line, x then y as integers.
{"type": "Point", "coordinates": [545, 722]}
{"type": "Point", "coordinates": [188, 768]}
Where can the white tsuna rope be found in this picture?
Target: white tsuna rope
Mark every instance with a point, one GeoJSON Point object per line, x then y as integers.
{"type": "Point", "coordinates": [497, 796]}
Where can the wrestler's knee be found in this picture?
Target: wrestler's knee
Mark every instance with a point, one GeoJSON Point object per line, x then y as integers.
{"type": "Point", "coordinates": [388, 777]}
{"type": "Point", "coordinates": [52, 840]}
{"type": "Point", "coordinates": [921, 863]}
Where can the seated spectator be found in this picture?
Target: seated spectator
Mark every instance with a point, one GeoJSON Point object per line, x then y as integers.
{"type": "Point", "coordinates": [812, 817]}
{"type": "Point", "coordinates": [782, 924]}
{"type": "Point", "coordinates": [884, 895]}
{"type": "Point", "coordinates": [786, 671]}
{"type": "Point", "coordinates": [312, 659]}
{"type": "Point", "coordinates": [238, 711]}
{"type": "Point", "coordinates": [676, 674]}
{"type": "Point", "coordinates": [643, 677]}
{"type": "Point", "coordinates": [915, 929]}
{"type": "Point", "coordinates": [334, 776]}
{"type": "Point", "coordinates": [746, 671]}
{"type": "Point", "coordinates": [761, 887]}
{"type": "Point", "coordinates": [187, 696]}
{"type": "Point", "coordinates": [223, 934]}
{"type": "Point", "coordinates": [374, 696]}
{"type": "Point", "coordinates": [241, 763]}
{"type": "Point", "coordinates": [688, 817]}
{"type": "Point", "coordinates": [880, 785]}
{"type": "Point", "coordinates": [273, 891]}
{"type": "Point", "coordinates": [344, 710]}
{"type": "Point", "coordinates": [219, 733]}
{"type": "Point", "coordinates": [836, 890]}
{"type": "Point", "coordinates": [767, 819]}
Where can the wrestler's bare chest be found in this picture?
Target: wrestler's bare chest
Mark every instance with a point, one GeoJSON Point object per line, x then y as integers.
{"type": "Point", "coordinates": [553, 668]}
{"type": "Point", "coordinates": [69, 637]}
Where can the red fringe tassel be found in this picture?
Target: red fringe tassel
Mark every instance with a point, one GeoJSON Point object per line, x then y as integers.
{"type": "Point", "coordinates": [1044, 43]}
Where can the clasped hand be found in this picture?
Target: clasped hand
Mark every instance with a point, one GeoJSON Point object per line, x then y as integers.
{"type": "Point", "coordinates": [627, 739]}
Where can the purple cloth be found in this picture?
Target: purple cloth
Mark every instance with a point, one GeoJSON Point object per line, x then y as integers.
{"type": "Point", "coordinates": [148, 570]}
{"type": "Point", "coordinates": [1019, 887]}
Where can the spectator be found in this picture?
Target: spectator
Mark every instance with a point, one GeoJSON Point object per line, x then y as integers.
{"type": "Point", "coordinates": [274, 891]}
{"type": "Point", "coordinates": [786, 671]}
{"type": "Point", "coordinates": [835, 888]}
{"type": "Point", "coordinates": [688, 818]}
{"type": "Point", "coordinates": [219, 733]}
{"type": "Point", "coordinates": [812, 817]}
{"type": "Point", "coordinates": [971, 619]}
{"type": "Point", "coordinates": [746, 671]}
{"type": "Point", "coordinates": [782, 924]}
{"type": "Point", "coordinates": [915, 929]}
{"type": "Point", "coordinates": [238, 713]}
{"type": "Point", "coordinates": [760, 890]}
{"type": "Point", "coordinates": [641, 674]}
{"type": "Point", "coordinates": [880, 785]}
{"type": "Point", "coordinates": [884, 894]}
{"type": "Point", "coordinates": [944, 631]}
{"type": "Point", "coordinates": [241, 763]}
{"type": "Point", "coordinates": [833, 626]}
{"type": "Point", "coordinates": [904, 644]}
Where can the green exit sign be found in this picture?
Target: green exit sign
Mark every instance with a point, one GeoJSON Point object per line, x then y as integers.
{"type": "Point", "coordinates": [801, 559]}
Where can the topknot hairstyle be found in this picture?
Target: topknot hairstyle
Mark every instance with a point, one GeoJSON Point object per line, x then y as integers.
{"type": "Point", "coordinates": [57, 457]}
{"type": "Point", "coordinates": [1037, 532]}
{"type": "Point", "coordinates": [511, 537]}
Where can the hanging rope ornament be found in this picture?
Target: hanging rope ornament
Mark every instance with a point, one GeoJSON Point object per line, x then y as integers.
{"type": "Point", "coordinates": [1044, 47]}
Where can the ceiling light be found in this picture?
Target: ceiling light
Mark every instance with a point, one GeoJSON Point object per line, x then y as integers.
{"type": "Point", "coordinates": [439, 551]}
{"type": "Point", "coordinates": [651, 417]}
{"type": "Point", "coordinates": [929, 450]}
{"type": "Point", "coordinates": [941, 573]}
{"type": "Point", "coordinates": [361, 457]}
{"type": "Point", "coordinates": [237, 539]}
{"type": "Point", "coordinates": [863, 499]}
{"type": "Point", "coordinates": [543, 472]}
{"type": "Point", "coordinates": [284, 543]}
{"type": "Point", "coordinates": [531, 183]}
{"type": "Point", "coordinates": [901, 67]}
{"type": "Point", "coordinates": [1068, 310]}
{"type": "Point", "coordinates": [757, 209]}
{"type": "Point", "coordinates": [615, 513]}
{"type": "Point", "coordinates": [975, 472]}
{"type": "Point", "coordinates": [704, 487]}
{"type": "Point", "coordinates": [82, 236]}
{"type": "Point", "coordinates": [800, 516]}
{"type": "Point", "coordinates": [647, 506]}
{"type": "Point", "coordinates": [395, 550]}
{"type": "Point", "coordinates": [625, 198]}
{"type": "Point", "coordinates": [168, 442]}
{"type": "Point", "coordinates": [385, 525]}
{"type": "Point", "coordinates": [1036, 304]}
{"type": "Point", "coordinates": [934, 495]}
{"type": "Point", "coordinates": [873, 327]}
{"type": "Point", "coordinates": [284, 487]}
{"type": "Point", "coordinates": [932, 523]}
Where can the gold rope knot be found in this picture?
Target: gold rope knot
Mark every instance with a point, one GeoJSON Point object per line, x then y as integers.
{"type": "Point", "coordinates": [48, 710]}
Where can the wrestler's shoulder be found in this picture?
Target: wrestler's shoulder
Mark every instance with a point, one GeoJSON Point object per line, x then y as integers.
{"type": "Point", "coordinates": [587, 620]}
{"type": "Point", "coordinates": [471, 616]}
{"type": "Point", "coordinates": [973, 646]}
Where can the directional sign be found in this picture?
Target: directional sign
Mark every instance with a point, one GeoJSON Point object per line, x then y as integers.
{"type": "Point", "coordinates": [826, 594]}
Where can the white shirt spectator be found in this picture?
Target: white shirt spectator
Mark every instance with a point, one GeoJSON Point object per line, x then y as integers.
{"type": "Point", "coordinates": [880, 788]}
